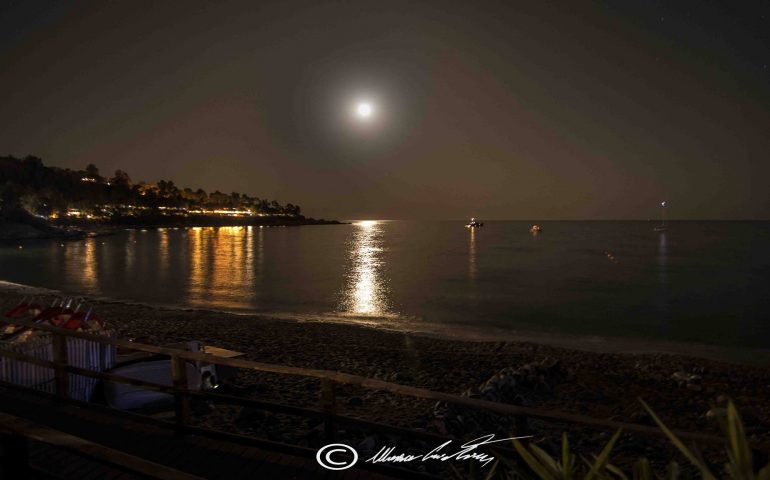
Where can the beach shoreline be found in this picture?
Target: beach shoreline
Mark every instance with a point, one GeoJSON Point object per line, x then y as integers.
{"type": "Point", "coordinates": [585, 343]}
{"type": "Point", "coordinates": [600, 384]}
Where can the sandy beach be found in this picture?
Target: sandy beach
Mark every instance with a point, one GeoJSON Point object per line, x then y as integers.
{"type": "Point", "coordinates": [682, 390]}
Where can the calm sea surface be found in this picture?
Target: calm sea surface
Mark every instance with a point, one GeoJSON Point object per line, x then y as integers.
{"type": "Point", "coordinates": [703, 282]}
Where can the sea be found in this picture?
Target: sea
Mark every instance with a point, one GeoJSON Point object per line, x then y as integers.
{"type": "Point", "coordinates": [703, 284]}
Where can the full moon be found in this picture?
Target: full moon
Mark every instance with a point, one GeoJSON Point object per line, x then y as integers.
{"type": "Point", "coordinates": [364, 110]}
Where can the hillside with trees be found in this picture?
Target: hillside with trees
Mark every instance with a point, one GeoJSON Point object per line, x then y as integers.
{"type": "Point", "coordinates": [63, 196]}
{"type": "Point", "coordinates": [48, 190]}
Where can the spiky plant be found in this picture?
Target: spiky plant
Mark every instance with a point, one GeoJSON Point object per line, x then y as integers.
{"type": "Point", "coordinates": [740, 464]}
{"type": "Point", "coordinates": [536, 463]}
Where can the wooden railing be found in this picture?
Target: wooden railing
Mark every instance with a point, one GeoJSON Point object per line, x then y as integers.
{"type": "Point", "coordinates": [15, 433]}
{"type": "Point", "coordinates": [329, 381]}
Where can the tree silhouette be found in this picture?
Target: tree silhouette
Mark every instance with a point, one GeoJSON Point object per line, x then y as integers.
{"type": "Point", "coordinates": [51, 189]}
{"type": "Point", "coordinates": [92, 172]}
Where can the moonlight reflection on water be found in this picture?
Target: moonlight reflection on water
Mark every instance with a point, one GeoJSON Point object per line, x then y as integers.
{"type": "Point", "coordinates": [366, 292]}
{"type": "Point", "coordinates": [692, 283]}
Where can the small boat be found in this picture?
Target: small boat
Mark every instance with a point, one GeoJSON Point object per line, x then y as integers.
{"type": "Point", "coordinates": [535, 229]}
{"type": "Point", "coordinates": [662, 227]}
{"type": "Point", "coordinates": [474, 224]}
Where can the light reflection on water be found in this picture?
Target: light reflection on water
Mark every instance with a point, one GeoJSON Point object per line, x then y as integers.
{"type": "Point", "coordinates": [663, 258]}
{"type": "Point", "coordinates": [226, 269]}
{"type": "Point", "coordinates": [222, 263]}
{"type": "Point", "coordinates": [197, 281]}
{"type": "Point", "coordinates": [76, 263]}
{"type": "Point", "coordinates": [90, 276]}
{"type": "Point", "coordinates": [130, 257]}
{"type": "Point", "coordinates": [472, 255]}
{"type": "Point", "coordinates": [163, 252]}
{"type": "Point", "coordinates": [683, 284]}
{"type": "Point", "coordinates": [662, 299]}
{"type": "Point", "coordinates": [365, 291]}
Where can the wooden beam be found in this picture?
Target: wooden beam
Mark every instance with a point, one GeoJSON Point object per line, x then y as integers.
{"type": "Point", "coordinates": [181, 400]}
{"type": "Point", "coordinates": [18, 426]}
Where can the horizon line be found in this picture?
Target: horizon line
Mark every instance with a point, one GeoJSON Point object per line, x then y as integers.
{"type": "Point", "coordinates": [362, 219]}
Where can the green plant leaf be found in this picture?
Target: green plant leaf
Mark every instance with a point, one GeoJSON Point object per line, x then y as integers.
{"type": "Point", "coordinates": [532, 462]}
{"type": "Point", "coordinates": [545, 459]}
{"type": "Point", "coordinates": [493, 471]}
{"type": "Point", "coordinates": [642, 470]}
{"type": "Point", "coordinates": [672, 472]}
{"type": "Point", "coordinates": [739, 450]}
{"type": "Point", "coordinates": [704, 470]}
{"type": "Point", "coordinates": [616, 471]}
{"type": "Point", "coordinates": [601, 460]}
{"type": "Point", "coordinates": [567, 459]}
{"type": "Point", "coordinates": [764, 473]}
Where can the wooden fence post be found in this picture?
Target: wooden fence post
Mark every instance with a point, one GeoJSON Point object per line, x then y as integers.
{"type": "Point", "coordinates": [181, 400]}
{"type": "Point", "coordinates": [60, 358]}
{"type": "Point", "coordinates": [329, 406]}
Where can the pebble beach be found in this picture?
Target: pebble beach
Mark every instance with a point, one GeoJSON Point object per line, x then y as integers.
{"type": "Point", "coordinates": [689, 393]}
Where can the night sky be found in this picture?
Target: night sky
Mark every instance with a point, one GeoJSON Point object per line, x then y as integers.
{"type": "Point", "coordinates": [509, 110]}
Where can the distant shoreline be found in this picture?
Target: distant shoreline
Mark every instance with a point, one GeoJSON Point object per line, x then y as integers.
{"type": "Point", "coordinates": [15, 230]}
{"type": "Point", "coordinates": [147, 221]}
